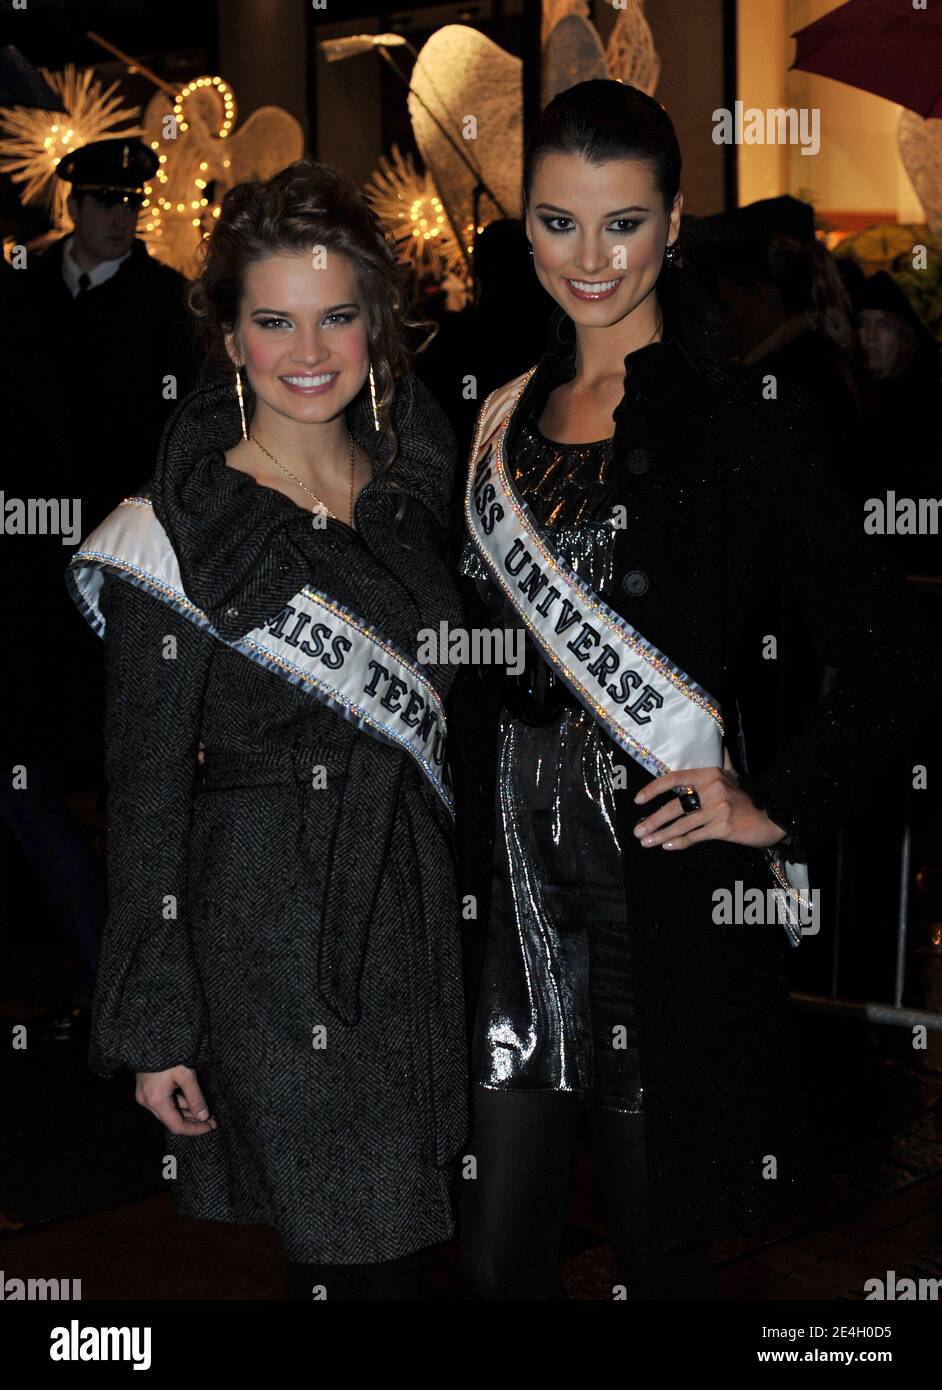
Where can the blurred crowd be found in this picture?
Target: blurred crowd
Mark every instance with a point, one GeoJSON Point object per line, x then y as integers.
{"type": "Point", "coordinates": [791, 309]}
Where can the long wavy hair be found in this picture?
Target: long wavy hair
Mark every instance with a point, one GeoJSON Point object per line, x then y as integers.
{"type": "Point", "coordinates": [304, 205]}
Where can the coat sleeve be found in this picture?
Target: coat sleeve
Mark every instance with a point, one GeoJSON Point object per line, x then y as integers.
{"type": "Point", "coordinates": [148, 1011]}
{"type": "Point", "coordinates": [866, 625]}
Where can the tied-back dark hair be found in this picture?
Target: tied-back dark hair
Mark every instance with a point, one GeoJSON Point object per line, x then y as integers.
{"type": "Point", "coordinates": [303, 206]}
{"type": "Point", "coordinates": [601, 120]}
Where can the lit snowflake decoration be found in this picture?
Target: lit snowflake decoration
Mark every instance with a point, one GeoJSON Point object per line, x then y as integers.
{"type": "Point", "coordinates": [413, 218]}
{"type": "Point", "coordinates": [33, 142]}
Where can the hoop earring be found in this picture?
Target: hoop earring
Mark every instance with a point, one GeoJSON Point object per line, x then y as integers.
{"type": "Point", "coordinates": [373, 400]}
{"type": "Point", "coordinates": [245, 433]}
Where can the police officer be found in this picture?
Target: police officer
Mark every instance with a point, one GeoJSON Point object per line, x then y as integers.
{"type": "Point", "coordinates": [117, 329]}
{"type": "Point", "coordinates": [118, 353]}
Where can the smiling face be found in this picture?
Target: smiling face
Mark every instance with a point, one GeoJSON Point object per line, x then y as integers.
{"type": "Point", "coordinates": [599, 232]}
{"type": "Point", "coordinates": [302, 335]}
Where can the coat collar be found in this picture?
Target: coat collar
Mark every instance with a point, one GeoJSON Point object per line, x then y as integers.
{"type": "Point", "coordinates": [72, 271]}
{"type": "Point", "coordinates": [222, 525]}
{"type": "Point", "coordinates": [240, 544]}
{"type": "Point", "coordinates": [654, 374]}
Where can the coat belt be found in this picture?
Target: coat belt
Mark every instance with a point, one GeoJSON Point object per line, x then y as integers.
{"type": "Point", "coordinates": [368, 774]}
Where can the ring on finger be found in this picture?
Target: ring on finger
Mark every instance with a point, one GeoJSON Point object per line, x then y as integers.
{"type": "Point", "coordinates": [689, 798]}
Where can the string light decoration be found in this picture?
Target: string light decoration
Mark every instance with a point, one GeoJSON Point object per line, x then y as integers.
{"type": "Point", "coordinates": [224, 95]}
{"type": "Point", "coordinates": [201, 156]}
{"type": "Point", "coordinates": [177, 214]}
{"type": "Point", "coordinates": [469, 234]}
{"type": "Point", "coordinates": [33, 142]}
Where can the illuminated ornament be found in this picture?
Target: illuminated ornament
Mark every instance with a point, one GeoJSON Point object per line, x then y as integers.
{"type": "Point", "coordinates": [211, 101]}
{"type": "Point", "coordinates": [201, 156]}
{"type": "Point", "coordinates": [33, 141]}
{"type": "Point", "coordinates": [413, 218]}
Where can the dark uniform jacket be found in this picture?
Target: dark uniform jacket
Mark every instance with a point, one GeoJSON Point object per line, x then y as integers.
{"type": "Point", "coordinates": [308, 964]}
{"type": "Point", "coordinates": [725, 494]}
{"type": "Point", "coordinates": [113, 351]}
{"type": "Point", "coordinates": [35, 609]}
{"type": "Point", "coordinates": [113, 348]}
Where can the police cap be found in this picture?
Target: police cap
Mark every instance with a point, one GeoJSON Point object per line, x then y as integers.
{"type": "Point", "coordinates": [120, 164]}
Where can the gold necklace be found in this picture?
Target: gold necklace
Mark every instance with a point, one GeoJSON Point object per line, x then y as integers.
{"type": "Point", "coordinates": [297, 480]}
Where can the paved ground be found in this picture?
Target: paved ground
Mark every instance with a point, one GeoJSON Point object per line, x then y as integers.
{"type": "Point", "coordinates": [78, 1198]}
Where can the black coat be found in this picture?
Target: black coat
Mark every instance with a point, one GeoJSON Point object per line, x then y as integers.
{"type": "Point", "coordinates": [296, 907]}
{"type": "Point", "coordinates": [37, 723]}
{"type": "Point", "coordinates": [114, 348]}
{"type": "Point", "coordinates": [726, 493]}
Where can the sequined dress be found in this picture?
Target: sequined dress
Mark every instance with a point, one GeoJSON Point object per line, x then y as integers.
{"type": "Point", "coordinates": [556, 1004]}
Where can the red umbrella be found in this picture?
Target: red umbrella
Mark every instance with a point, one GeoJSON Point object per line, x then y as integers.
{"type": "Point", "coordinates": [882, 46]}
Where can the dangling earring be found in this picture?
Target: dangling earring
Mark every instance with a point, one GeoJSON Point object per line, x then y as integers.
{"type": "Point", "coordinates": [670, 253]}
{"type": "Point", "coordinates": [245, 433]}
{"type": "Point", "coordinates": [373, 400]}
{"type": "Point", "coordinates": [530, 247]}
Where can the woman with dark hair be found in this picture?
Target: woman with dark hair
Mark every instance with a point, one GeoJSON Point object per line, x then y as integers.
{"type": "Point", "coordinates": [631, 882]}
{"type": "Point", "coordinates": [281, 961]}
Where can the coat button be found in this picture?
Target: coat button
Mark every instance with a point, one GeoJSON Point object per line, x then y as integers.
{"type": "Point", "coordinates": [635, 583]}
{"type": "Point", "coordinates": [638, 461]}
{"type": "Point", "coordinates": [232, 612]}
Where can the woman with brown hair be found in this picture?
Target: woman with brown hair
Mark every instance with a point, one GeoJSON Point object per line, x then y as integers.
{"type": "Point", "coordinates": [280, 964]}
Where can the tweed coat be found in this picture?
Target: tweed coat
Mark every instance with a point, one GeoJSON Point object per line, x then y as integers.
{"type": "Point", "coordinates": [310, 972]}
{"type": "Point", "coordinates": [726, 494]}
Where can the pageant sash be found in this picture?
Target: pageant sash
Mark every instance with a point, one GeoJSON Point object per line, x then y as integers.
{"type": "Point", "coordinates": [313, 642]}
{"type": "Point", "coordinates": [647, 705]}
